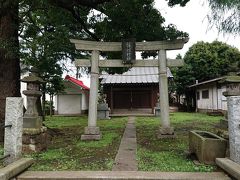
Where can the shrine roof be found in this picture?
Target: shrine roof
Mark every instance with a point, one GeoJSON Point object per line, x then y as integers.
{"type": "Point", "coordinates": [134, 75]}
{"type": "Point", "coordinates": [76, 82]}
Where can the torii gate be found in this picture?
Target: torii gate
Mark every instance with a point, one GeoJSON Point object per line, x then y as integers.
{"type": "Point", "coordinates": [92, 132]}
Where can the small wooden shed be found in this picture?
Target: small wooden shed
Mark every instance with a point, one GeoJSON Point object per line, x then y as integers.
{"type": "Point", "coordinates": [74, 100]}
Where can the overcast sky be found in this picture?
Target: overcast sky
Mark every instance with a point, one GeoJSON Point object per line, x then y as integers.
{"type": "Point", "coordinates": [193, 19]}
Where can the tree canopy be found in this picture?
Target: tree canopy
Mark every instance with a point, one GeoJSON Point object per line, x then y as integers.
{"type": "Point", "coordinates": [47, 25]}
{"type": "Point", "coordinates": [204, 61]}
{"type": "Point", "coordinates": [225, 14]}
{"type": "Point", "coordinates": [46, 29]}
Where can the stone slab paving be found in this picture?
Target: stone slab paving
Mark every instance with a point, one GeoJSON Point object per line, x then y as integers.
{"type": "Point", "coordinates": [126, 156]}
{"type": "Point", "coordinates": [229, 166]}
{"type": "Point", "coordinates": [120, 175]}
{"type": "Point", "coordinates": [15, 168]}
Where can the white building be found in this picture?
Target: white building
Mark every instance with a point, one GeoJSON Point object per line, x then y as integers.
{"type": "Point", "coordinates": [209, 96]}
{"type": "Point", "coordinates": [74, 100]}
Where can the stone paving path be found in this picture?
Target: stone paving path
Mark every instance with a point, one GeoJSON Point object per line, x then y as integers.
{"type": "Point", "coordinates": [126, 156]}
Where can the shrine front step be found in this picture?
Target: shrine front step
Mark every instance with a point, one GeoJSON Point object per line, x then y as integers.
{"type": "Point", "coordinates": [120, 175]}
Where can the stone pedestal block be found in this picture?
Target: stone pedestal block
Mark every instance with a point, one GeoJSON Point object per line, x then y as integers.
{"type": "Point", "coordinates": [103, 111]}
{"type": "Point", "coordinates": [91, 130]}
{"type": "Point", "coordinates": [157, 111]}
{"type": "Point", "coordinates": [166, 132]}
{"type": "Point", "coordinates": [86, 137]}
{"type": "Point", "coordinates": [91, 133]}
{"type": "Point", "coordinates": [35, 140]}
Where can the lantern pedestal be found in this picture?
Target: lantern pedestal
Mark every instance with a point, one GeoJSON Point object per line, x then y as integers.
{"type": "Point", "coordinates": [35, 140]}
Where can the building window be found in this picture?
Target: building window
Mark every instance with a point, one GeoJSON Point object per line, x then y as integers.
{"type": "Point", "coordinates": [205, 94]}
{"type": "Point", "coordinates": [198, 95]}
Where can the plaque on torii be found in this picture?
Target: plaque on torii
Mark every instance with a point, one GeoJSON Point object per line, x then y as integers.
{"type": "Point", "coordinates": [92, 132]}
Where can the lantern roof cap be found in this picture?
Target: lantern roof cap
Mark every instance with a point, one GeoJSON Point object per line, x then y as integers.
{"type": "Point", "coordinates": [33, 77]}
{"type": "Point", "coordinates": [230, 79]}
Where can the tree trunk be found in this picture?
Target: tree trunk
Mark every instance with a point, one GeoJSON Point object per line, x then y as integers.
{"type": "Point", "coordinates": [9, 55]}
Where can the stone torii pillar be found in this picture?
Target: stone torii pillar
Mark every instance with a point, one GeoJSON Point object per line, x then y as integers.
{"type": "Point", "coordinates": [165, 130]}
{"type": "Point", "coordinates": [92, 131]}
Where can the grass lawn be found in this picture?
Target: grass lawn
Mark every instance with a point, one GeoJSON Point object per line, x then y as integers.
{"type": "Point", "coordinates": [168, 154]}
{"type": "Point", "coordinates": [68, 152]}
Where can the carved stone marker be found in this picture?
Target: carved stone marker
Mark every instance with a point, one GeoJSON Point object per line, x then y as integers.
{"type": "Point", "coordinates": [233, 102]}
{"type": "Point", "coordinates": [13, 133]}
{"type": "Point", "coordinates": [161, 46]}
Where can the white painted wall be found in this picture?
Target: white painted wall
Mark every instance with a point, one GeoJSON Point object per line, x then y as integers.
{"type": "Point", "coordinates": [216, 100]}
{"type": "Point", "coordinates": [74, 100]}
{"type": "Point", "coordinates": [224, 99]}
{"type": "Point", "coordinates": [85, 100]}
{"type": "Point", "coordinates": [69, 104]}
{"type": "Point", "coordinates": [23, 86]}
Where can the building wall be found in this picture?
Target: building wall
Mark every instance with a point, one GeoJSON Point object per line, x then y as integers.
{"type": "Point", "coordinates": [69, 104]}
{"type": "Point", "coordinates": [125, 92]}
{"type": "Point", "coordinates": [215, 101]}
{"type": "Point", "coordinates": [74, 99]}
{"type": "Point", "coordinates": [23, 87]}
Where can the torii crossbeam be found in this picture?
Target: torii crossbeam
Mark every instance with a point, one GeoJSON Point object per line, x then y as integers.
{"type": "Point", "coordinates": [92, 132]}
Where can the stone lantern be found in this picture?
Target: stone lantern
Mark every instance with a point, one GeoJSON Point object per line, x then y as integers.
{"type": "Point", "coordinates": [232, 85]}
{"type": "Point", "coordinates": [31, 116]}
{"type": "Point", "coordinates": [34, 133]}
{"type": "Point", "coordinates": [233, 102]}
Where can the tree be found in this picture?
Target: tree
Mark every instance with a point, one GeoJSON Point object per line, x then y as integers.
{"type": "Point", "coordinates": [9, 54]}
{"type": "Point", "coordinates": [225, 14]}
{"type": "Point", "coordinates": [137, 19]}
{"type": "Point", "coordinates": [9, 45]}
{"type": "Point", "coordinates": [45, 42]}
{"type": "Point", "coordinates": [47, 24]}
{"type": "Point", "coordinates": [205, 61]}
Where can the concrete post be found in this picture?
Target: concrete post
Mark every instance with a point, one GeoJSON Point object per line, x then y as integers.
{"type": "Point", "coordinates": [92, 132]}
{"type": "Point", "coordinates": [13, 134]}
{"type": "Point", "coordinates": [234, 127]}
{"type": "Point", "coordinates": [163, 91]}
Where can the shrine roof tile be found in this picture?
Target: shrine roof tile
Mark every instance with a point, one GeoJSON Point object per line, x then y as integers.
{"type": "Point", "coordinates": [134, 75]}
{"type": "Point", "coordinates": [76, 82]}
